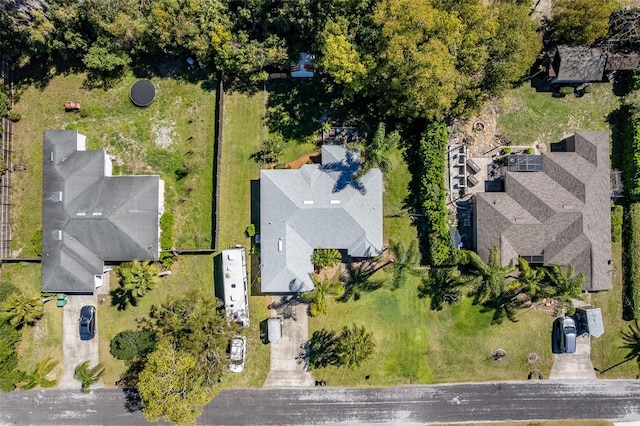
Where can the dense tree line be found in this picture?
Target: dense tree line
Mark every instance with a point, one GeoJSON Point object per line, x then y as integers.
{"type": "Point", "coordinates": [409, 59]}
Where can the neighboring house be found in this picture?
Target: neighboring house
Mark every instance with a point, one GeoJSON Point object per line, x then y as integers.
{"type": "Point", "coordinates": [574, 65]}
{"type": "Point", "coordinates": [316, 207]}
{"type": "Point", "coordinates": [304, 67]}
{"type": "Point", "coordinates": [555, 209]}
{"type": "Point", "coordinates": [90, 217]}
{"type": "Point", "coordinates": [234, 277]}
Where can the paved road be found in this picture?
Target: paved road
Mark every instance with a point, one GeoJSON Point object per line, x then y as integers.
{"type": "Point", "coordinates": [535, 400]}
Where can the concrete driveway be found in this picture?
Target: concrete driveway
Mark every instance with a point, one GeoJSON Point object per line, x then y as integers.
{"type": "Point", "coordinates": [287, 368]}
{"type": "Point", "coordinates": [75, 350]}
{"type": "Point", "coordinates": [576, 365]}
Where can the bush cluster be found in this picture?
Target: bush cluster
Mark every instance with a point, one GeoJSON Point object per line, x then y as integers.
{"type": "Point", "coordinates": [129, 343]}
{"type": "Point", "coordinates": [166, 231]}
{"type": "Point", "coordinates": [432, 196]}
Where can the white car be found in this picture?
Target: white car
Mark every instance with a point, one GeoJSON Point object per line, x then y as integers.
{"type": "Point", "coordinates": [238, 352]}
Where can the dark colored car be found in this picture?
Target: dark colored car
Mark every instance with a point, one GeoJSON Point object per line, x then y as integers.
{"type": "Point", "coordinates": [566, 334]}
{"type": "Point", "coordinates": [87, 322]}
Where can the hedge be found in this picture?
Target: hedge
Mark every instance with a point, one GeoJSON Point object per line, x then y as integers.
{"type": "Point", "coordinates": [631, 301]}
{"type": "Point", "coordinates": [631, 159]}
{"type": "Point", "coordinates": [432, 196]}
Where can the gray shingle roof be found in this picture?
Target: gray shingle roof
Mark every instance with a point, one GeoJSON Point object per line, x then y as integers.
{"type": "Point", "coordinates": [316, 206]}
{"type": "Point", "coordinates": [579, 64]}
{"type": "Point", "coordinates": [90, 217]}
{"type": "Point", "coordinates": [562, 212]}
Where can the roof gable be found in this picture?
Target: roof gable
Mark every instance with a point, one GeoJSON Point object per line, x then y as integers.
{"type": "Point", "coordinates": [316, 206]}
{"type": "Point", "coordinates": [89, 217]}
{"type": "Point", "coordinates": [561, 212]}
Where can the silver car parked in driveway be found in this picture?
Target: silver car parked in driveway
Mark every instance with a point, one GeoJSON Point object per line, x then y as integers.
{"type": "Point", "coordinates": [566, 335]}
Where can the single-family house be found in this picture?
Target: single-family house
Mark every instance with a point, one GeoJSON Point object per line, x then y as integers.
{"type": "Point", "coordinates": [91, 218]}
{"type": "Point", "coordinates": [555, 209]}
{"type": "Point", "coordinates": [319, 206]}
{"type": "Point", "coordinates": [575, 65]}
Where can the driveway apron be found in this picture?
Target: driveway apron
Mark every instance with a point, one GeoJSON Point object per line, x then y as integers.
{"type": "Point", "coordinates": [75, 350]}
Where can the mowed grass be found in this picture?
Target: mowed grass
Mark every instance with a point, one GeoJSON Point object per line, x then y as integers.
{"type": "Point", "coordinates": [528, 117]}
{"type": "Point", "coordinates": [607, 350]}
{"type": "Point", "coordinates": [45, 338]}
{"type": "Point", "coordinates": [244, 132]}
{"type": "Point", "coordinates": [175, 132]}
{"type": "Point", "coordinates": [417, 345]}
{"type": "Point", "coordinates": [189, 273]}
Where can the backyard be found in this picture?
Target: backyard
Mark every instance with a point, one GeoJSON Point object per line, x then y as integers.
{"type": "Point", "coordinates": [173, 137]}
{"type": "Point", "coordinates": [414, 344]}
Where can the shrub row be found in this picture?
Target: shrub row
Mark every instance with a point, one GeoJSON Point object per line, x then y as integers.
{"type": "Point", "coordinates": [432, 195]}
{"type": "Point", "coordinates": [631, 252]}
{"type": "Point", "coordinates": [631, 158]}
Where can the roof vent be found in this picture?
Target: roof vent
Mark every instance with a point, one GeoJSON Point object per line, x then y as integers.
{"type": "Point", "coordinates": [307, 202]}
{"type": "Point", "coordinates": [335, 201]}
{"type": "Point", "coordinates": [81, 213]}
{"type": "Point", "coordinates": [59, 196]}
{"type": "Point", "coordinates": [567, 206]}
{"type": "Point", "coordinates": [59, 235]}
{"type": "Point", "coordinates": [279, 244]}
{"type": "Point", "coordinates": [97, 213]}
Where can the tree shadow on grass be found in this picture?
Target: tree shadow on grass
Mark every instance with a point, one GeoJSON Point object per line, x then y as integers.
{"type": "Point", "coordinates": [295, 107]}
{"type": "Point", "coordinates": [122, 299]}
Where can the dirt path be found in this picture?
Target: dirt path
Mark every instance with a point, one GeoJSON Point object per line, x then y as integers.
{"type": "Point", "coordinates": [311, 158]}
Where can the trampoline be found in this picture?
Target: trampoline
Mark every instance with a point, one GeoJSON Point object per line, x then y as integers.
{"type": "Point", "coordinates": [142, 93]}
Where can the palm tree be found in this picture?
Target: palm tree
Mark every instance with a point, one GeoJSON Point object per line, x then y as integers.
{"type": "Point", "coordinates": [324, 258]}
{"type": "Point", "coordinates": [138, 277]}
{"type": "Point", "coordinates": [442, 285]}
{"type": "Point", "coordinates": [530, 279]}
{"type": "Point", "coordinates": [19, 309]}
{"type": "Point", "coordinates": [321, 348]}
{"type": "Point", "coordinates": [566, 284]}
{"type": "Point", "coordinates": [376, 152]}
{"type": "Point", "coordinates": [354, 346]}
{"type": "Point", "coordinates": [631, 339]}
{"type": "Point", "coordinates": [38, 377]}
{"type": "Point", "coordinates": [316, 297]}
{"type": "Point", "coordinates": [493, 278]}
{"type": "Point", "coordinates": [404, 263]}
{"type": "Point", "coordinates": [506, 304]}
{"type": "Point", "coordinates": [88, 376]}
{"type": "Point", "coordinates": [358, 279]}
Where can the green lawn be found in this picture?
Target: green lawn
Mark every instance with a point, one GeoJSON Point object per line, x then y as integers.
{"type": "Point", "coordinates": [606, 350]}
{"type": "Point", "coordinates": [526, 116]}
{"type": "Point", "coordinates": [46, 335]}
{"type": "Point", "coordinates": [175, 132]}
{"type": "Point", "coordinates": [417, 345]}
{"type": "Point", "coordinates": [189, 273]}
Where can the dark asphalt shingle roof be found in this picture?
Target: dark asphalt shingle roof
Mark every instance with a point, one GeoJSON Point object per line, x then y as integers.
{"type": "Point", "coordinates": [89, 218]}
{"type": "Point", "coordinates": [562, 212]}
{"type": "Point", "coordinates": [579, 64]}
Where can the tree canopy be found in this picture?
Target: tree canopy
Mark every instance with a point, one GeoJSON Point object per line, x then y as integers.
{"type": "Point", "coordinates": [172, 386]}
{"type": "Point", "coordinates": [195, 324]}
{"type": "Point", "coordinates": [581, 21]}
